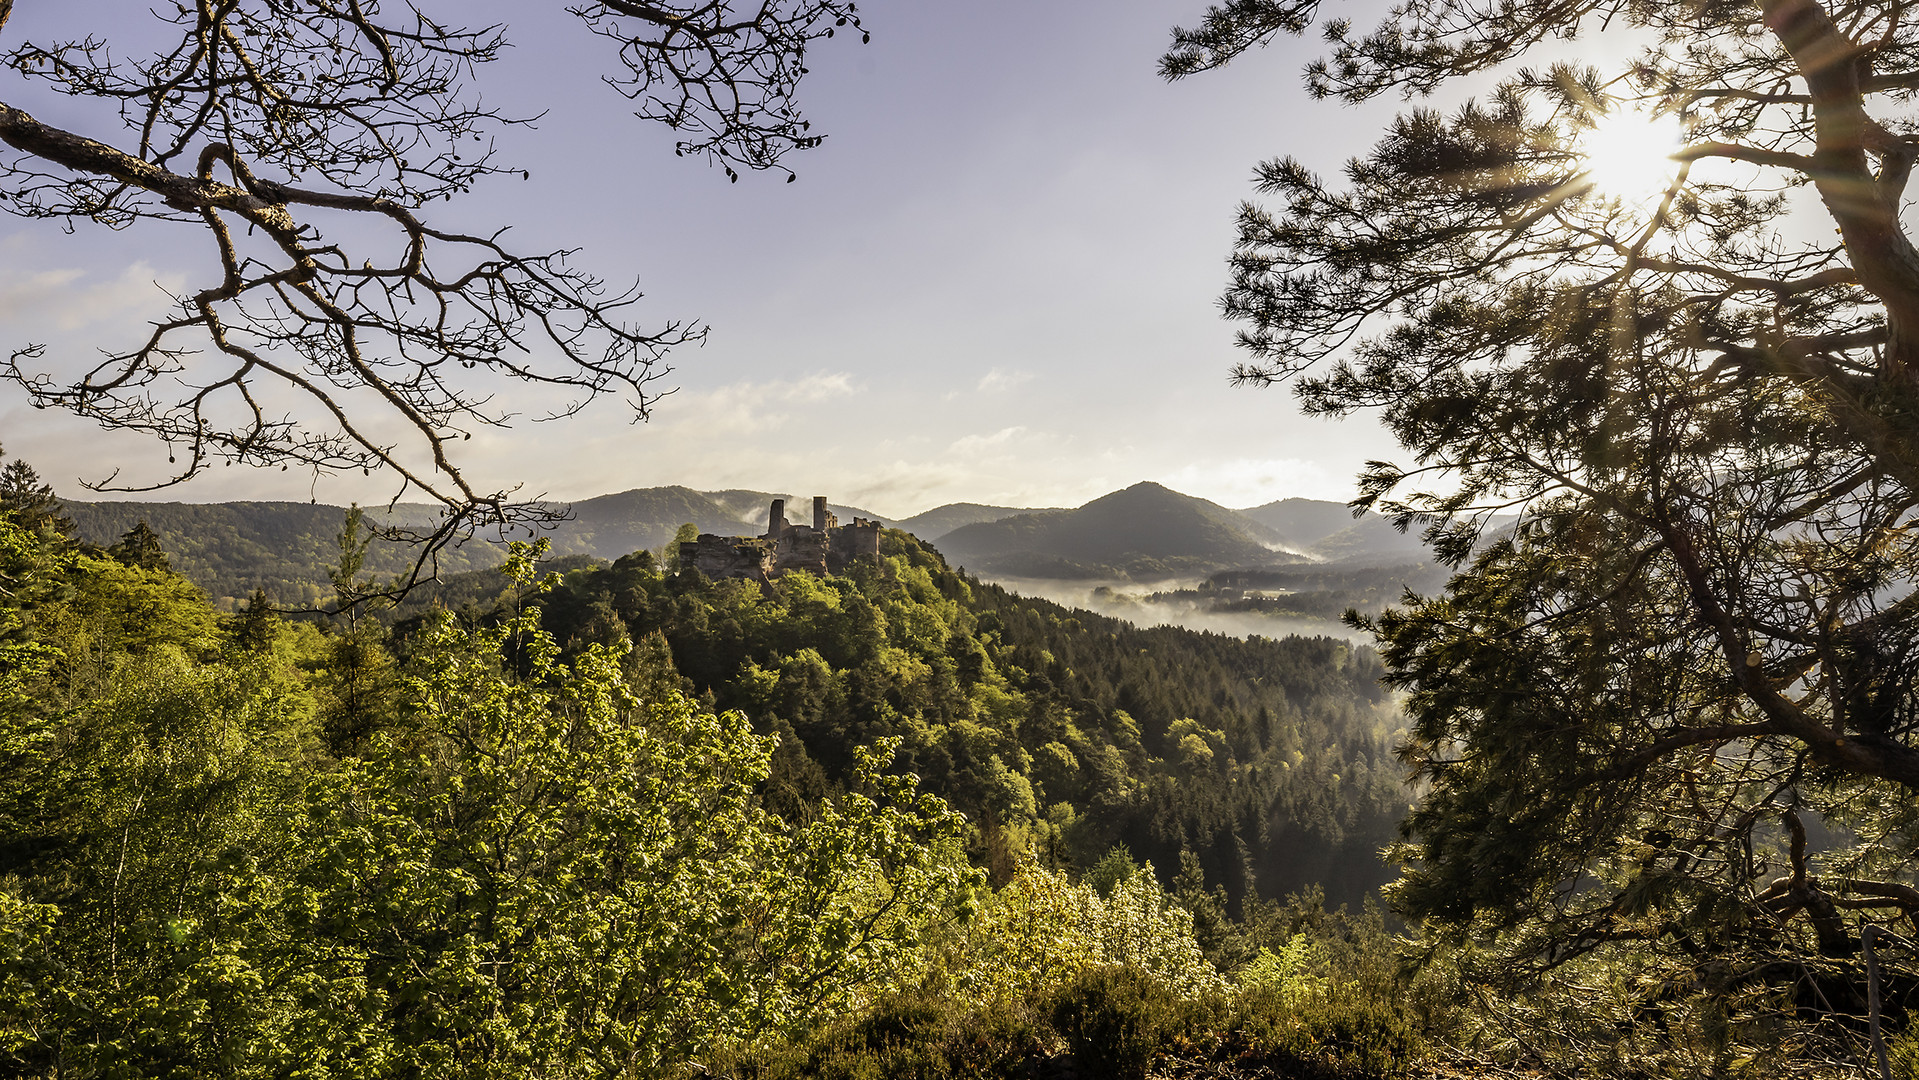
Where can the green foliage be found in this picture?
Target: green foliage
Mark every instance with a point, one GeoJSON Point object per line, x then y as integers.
{"type": "Point", "coordinates": [1116, 1018]}
{"type": "Point", "coordinates": [1290, 976]}
{"type": "Point", "coordinates": [552, 875]}
{"type": "Point", "coordinates": [1669, 715]}
{"type": "Point", "coordinates": [1038, 930]}
{"type": "Point", "coordinates": [513, 840]}
{"type": "Point", "coordinates": [527, 868]}
{"type": "Point", "coordinates": [1052, 730]}
{"type": "Point", "coordinates": [133, 945]}
{"type": "Point", "coordinates": [287, 549]}
{"type": "Point", "coordinates": [28, 501]}
{"type": "Point", "coordinates": [1904, 1057]}
{"type": "Point", "coordinates": [912, 1034]}
{"type": "Point", "coordinates": [141, 549]}
{"type": "Point", "coordinates": [1114, 867]}
{"type": "Point", "coordinates": [1328, 1032]}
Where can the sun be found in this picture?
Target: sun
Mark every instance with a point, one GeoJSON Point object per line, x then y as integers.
{"type": "Point", "coordinates": [1628, 155]}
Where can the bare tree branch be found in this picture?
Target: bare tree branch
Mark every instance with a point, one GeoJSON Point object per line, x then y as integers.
{"type": "Point", "coordinates": [273, 128]}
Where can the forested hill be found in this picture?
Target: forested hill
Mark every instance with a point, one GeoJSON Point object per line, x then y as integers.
{"type": "Point", "coordinates": [1301, 523]}
{"type": "Point", "coordinates": [286, 548]}
{"type": "Point", "coordinates": [1144, 532]}
{"type": "Point", "coordinates": [937, 522]}
{"type": "Point", "coordinates": [1268, 760]}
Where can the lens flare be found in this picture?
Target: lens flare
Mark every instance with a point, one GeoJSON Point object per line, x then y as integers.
{"type": "Point", "coordinates": [1628, 155]}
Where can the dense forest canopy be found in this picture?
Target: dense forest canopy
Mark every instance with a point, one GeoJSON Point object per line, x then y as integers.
{"type": "Point", "coordinates": [622, 820]}
{"type": "Point", "coordinates": [1269, 760]}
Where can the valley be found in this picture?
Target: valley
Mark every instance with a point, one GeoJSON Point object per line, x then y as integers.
{"type": "Point", "coordinates": [1145, 554]}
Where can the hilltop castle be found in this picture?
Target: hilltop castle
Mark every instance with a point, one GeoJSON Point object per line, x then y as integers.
{"type": "Point", "coordinates": [826, 547]}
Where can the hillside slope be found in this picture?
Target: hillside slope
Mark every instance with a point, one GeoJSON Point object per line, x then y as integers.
{"type": "Point", "coordinates": [1142, 532]}
{"type": "Point", "coordinates": [1372, 539]}
{"type": "Point", "coordinates": [1267, 759]}
{"type": "Point", "coordinates": [609, 526]}
{"type": "Point", "coordinates": [1301, 523]}
{"type": "Point", "coordinates": [286, 548]}
{"type": "Point", "coordinates": [231, 549]}
{"type": "Point", "coordinates": [937, 522]}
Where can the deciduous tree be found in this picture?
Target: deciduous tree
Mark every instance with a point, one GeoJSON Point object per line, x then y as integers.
{"type": "Point", "coordinates": [300, 145]}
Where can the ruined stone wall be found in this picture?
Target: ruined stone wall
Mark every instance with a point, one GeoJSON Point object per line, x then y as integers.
{"type": "Point", "coordinates": [829, 547]}
{"type": "Point", "coordinates": [719, 557]}
{"type": "Point", "coordinates": [801, 548]}
{"type": "Point", "coordinates": [857, 542]}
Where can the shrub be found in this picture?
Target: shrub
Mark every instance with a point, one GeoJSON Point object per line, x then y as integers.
{"type": "Point", "coordinates": [1115, 1018]}
{"type": "Point", "coordinates": [920, 1034]}
{"type": "Point", "coordinates": [1330, 1032]}
{"type": "Point", "coordinates": [1040, 930]}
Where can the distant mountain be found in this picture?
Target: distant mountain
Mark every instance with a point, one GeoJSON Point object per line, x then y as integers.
{"type": "Point", "coordinates": [286, 548]}
{"type": "Point", "coordinates": [230, 549]}
{"type": "Point", "coordinates": [751, 507]}
{"type": "Point", "coordinates": [1301, 523]}
{"type": "Point", "coordinates": [1146, 531]}
{"type": "Point", "coordinates": [609, 526]}
{"type": "Point", "coordinates": [1371, 539]}
{"type": "Point", "coordinates": [941, 520]}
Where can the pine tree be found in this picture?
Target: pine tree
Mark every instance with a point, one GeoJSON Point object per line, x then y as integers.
{"type": "Point", "coordinates": [140, 546]}
{"type": "Point", "coordinates": [1696, 649]}
{"type": "Point", "coordinates": [257, 625]}
{"type": "Point", "coordinates": [29, 501]}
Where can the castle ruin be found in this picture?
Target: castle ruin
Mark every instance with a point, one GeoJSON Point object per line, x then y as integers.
{"type": "Point", "coordinates": [826, 547]}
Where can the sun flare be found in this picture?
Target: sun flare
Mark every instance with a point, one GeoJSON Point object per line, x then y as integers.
{"type": "Point", "coordinates": [1629, 155]}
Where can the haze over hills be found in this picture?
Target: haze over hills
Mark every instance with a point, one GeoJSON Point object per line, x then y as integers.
{"type": "Point", "coordinates": [1369, 541]}
{"type": "Point", "coordinates": [231, 549]}
{"type": "Point", "coordinates": [1301, 523]}
{"type": "Point", "coordinates": [752, 506]}
{"type": "Point", "coordinates": [937, 522]}
{"type": "Point", "coordinates": [286, 548]}
{"type": "Point", "coordinates": [1143, 532]}
{"type": "Point", "coordinates": [609, 526]}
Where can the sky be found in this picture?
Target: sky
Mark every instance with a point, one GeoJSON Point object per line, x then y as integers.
{"type": "Point", "coordinates": [995, 282]}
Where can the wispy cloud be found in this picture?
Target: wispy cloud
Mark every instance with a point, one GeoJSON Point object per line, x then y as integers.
{"type": "Point", "coordinates": [748, 406]}
{"type": "Point", "coordinates": [64, 299]}
{"type": "Point", "coordinates": [975, 444]}
{"type": "Point", "coordinates": [1000, 380]}
{"type": "Point", "coordinates": [1254, 482]}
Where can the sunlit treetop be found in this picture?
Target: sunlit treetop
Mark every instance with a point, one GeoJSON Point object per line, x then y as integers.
{"type": "Point", "coordinates": [1663, 318]}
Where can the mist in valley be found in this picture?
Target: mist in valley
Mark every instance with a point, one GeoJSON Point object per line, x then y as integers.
{"type": "Point", "coordinates": [1135, 602]}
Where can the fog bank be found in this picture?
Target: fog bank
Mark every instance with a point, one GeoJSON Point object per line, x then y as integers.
{"type": "Point", "coordinates": [1130, 600]}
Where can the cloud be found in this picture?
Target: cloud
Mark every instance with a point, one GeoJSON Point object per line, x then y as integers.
{"type": "Point", "coordinates": [1000, 379]}
{"type": "Point", "coordinates": [748, 406]}
{"type": "Point", "coordinates": [975, 444]}
{"type": "Point", "coordinates": [1241, 482]}
{"type": "Point", "coordinates": [815, 387]}
{"type": "Point", "coordinates": [64, 299]}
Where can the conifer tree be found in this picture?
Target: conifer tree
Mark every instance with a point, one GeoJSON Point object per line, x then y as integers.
{"type": "Point", "coordinates": [140, 546]}
{"type": "Point", "coordinates": [1641, 705]}
{"type": "Point", "coordinates": [28, 500]}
